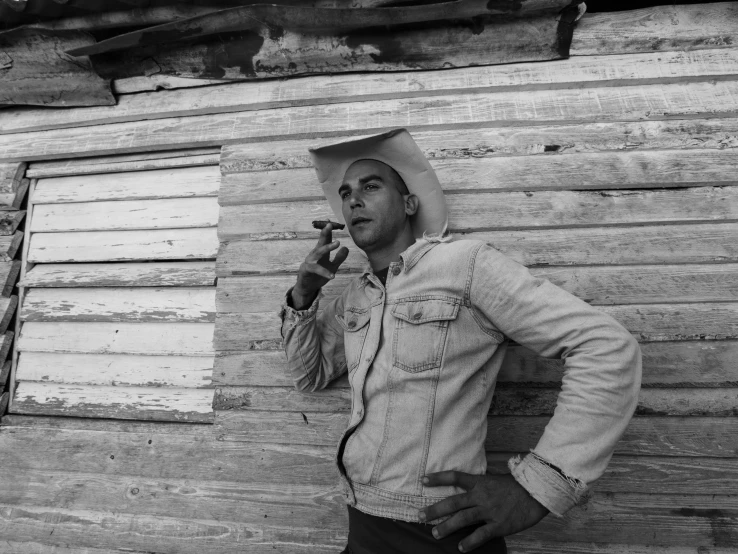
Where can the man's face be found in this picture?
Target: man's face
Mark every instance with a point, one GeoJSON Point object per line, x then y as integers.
{"type": "Point", "coordinates": [373, 204]}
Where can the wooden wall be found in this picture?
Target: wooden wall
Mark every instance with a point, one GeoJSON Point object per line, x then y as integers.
{"type": "Point", "coordinates": [118, 296]}
{"type": "Point", "coordinates": [611, 173]}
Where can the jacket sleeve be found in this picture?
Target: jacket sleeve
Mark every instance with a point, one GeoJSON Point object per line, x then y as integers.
{"type": "Point", "coordinates": [602, 375]}
{"type": "Point", "coordinates": [313, 343]}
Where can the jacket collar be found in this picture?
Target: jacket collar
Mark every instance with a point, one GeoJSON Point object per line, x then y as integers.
{"type": "Point", "coordinates": [409, 257]}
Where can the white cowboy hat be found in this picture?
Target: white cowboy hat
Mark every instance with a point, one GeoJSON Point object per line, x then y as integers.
{"type": "Point", "coordinates": [398, 150]}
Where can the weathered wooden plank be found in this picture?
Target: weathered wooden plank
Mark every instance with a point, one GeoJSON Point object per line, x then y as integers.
{"type": "Point", "coordinates": [153, 403]}
{"type": "Point", "coordinates": [20, 194]}
{"type": "Point", "coordinates": [325, 428]}
{"type": "Point", "coordinates": [506, 401]}
{"type": "Point", "coordinates": [659, 28]}
{"type": "Point", "coordinates": [160, 450]}
{"type": "Point", "coordinates": [517, 210]}
{"type": "Point", "coordinates": [158, 82]}
{"type": "Point", "coordinates": [40, 548]}
{"type": "Point", "coordinates": [143, 161]}
{"type": "Point", "coordinates": [519, 546]}
{"type": "Point", "coordinates": [115, 369]}
{"type": "Point", "coordinates": [9, 276]}
{"type": "Point", "coordinates": [628, 103]}
{"type": "Point", "coordinates": [9, 221]}
{"type": "Point", "coordinates": [94, 246]}
{"type": "Point", "coordinates": [5, 342]}
{"type": "Point", "coordinates": [7, 311]}
{"type": "Point", "coordinates": [169, 213]}
{"type": "Point", "coordinates": [138, 185]}
{"type": "Point", "coordinates": [647, 322]}
{"type": "Point", "coordinates": [11, 176]}
{"type": "Point", "coordinates": [614, 70]}
{"type": "Point", "coordinates": [665, 364]}
{"type": "Point", "coordinates": [5, 373]}
{"type": "Point", "coordinates": [246, 503]}
{"type": "Point", "coordinates": [9, 246]}
{"type": "Point", "coordinates": [516, 545]}
{"type": "Point", "coordinates": [190, 304]}
{"type": "Point", "coordinates": [675, 168]}
{"type": "Point", "coordinates": [178, 339]}
{"type": "Point", "coordinates": [652, 244]}
{"type": "Point", "coordinates": [151, 274]}
{"type": "Point", "coordinates": [505, 141]}
{"type": "Point", "coordinates": [601, 285]}
{"type": "Point", "coordinates": [42, 74]}
{"type": "Point", "coordinates": [128, 532]}
{"type": "Point", "coordinates": [4, 400]}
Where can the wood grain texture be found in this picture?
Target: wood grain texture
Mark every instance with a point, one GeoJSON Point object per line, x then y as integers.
{"type": "Point", "coordinates": [9, 272]}
{"type": "Point", "coordinates": [102, 246]}
{"type": "Point", "coordinates": [143, 161]}
{"type": "Point", "coordinates": [647, 322]}
{"type": "Point", "coordinates": [660, 28]}
{"type": "Point", "coordinates": [5, 343]}
{"type": "Point", "coordinates": [9, 245]}
{"type": "Point", "coordinates": [118, 402]}
{"type": "Point", "coordinates": [632, 170]}
{"type": "Point", "coordinates": [670, 364]}
{"type": "Point", "coordinates": [9, 221]}
{"type": "Point", "coordinates": [190, 304]}
{"type": "Point", "coordinates": [26, 547]}
{"type": "Point", "coordinates": [151, 274]}
{"type": "Point", "coordinates": [178, 339]}
{"type": "Point", "coordinates": [42, 74]}
{"type": "Point", "coordinates": [512, 210]}
{"type": "Point", "coordinates": [627, 103]}
{"type": "Point", "coordinates": [652, 244]}
{"type": "Point", "coordinates": [613, 70]}
{"type": "Point", "coordinates": [11, 177]}
{"type": "Point", "coordinates": [603, 285]}
{"type": "Point", "coordinates": [169, 213]}
{"type": "Point", "coordinates": [7, 311]}
{"type": "Point", "coordinates": [484, 142]}
{"type": "Point", "coordinates": [138, 185]}
{"type": "Point", "coordinates": [115, 370]}
{"type": "Point", "coordinates": [506, 402]}
{"type": "Point", "coordinates": [325, 428]}
{"type": "Point", "coordinates": [5, 373]}
{"type": "Point", "coordinates": [4, 400]}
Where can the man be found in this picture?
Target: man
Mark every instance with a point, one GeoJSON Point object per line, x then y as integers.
{"type": "Point", "coordinates": [422, 334]}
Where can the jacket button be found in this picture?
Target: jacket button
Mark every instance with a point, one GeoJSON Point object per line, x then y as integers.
{"type": "Point", "coordinates": [352, 324]}
{"type": "Point", "coordinates": [396, 270]}
{"type": "Point", "coordinates": [418, 315]}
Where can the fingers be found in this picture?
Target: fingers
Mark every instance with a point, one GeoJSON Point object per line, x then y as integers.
{"type": "Point", "coordinates": [340, 257]}
{"type": "Point", "coordinates": [461, 519]}
{"type": "Point", "coordinates": [446, 507]}
{"type": "Point", "coordinates": [479, 537]}
{"type": "Point", "coordinates": [318, 269]}
{"type": "Point", "coordinates": [455, 478]}
{"type": "Point", "coordinates": [321, 251]}
{"type": "Point", "coordinates": [326, 235]}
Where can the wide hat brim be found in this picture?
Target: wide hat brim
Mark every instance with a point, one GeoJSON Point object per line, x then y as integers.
{"type": "Point", "coordinates": [398, 150]}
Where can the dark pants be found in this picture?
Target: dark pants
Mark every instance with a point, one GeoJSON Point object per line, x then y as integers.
{"type": "Point", "coordinates": [378, 535]}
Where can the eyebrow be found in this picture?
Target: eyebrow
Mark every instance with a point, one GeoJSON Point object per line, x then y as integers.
{"type": "Point", "coordinates": [362, 181]}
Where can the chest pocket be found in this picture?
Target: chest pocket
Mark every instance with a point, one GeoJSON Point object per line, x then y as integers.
{"type": "Point", "coordinates": [420, 333]}
{"type": "Point", "coordinates": [355, 323]}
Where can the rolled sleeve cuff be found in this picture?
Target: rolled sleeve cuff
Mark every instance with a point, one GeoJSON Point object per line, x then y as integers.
{"type": "Point", "coordinates": [291, 317]}
{"type": "Point", "coordinates": [556, 491]}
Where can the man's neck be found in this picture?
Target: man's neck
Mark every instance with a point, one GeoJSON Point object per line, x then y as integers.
{"type": "Point", "coordinates": [382, 257]}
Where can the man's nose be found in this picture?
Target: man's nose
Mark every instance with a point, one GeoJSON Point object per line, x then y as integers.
{"type": "Point", "coordinates": [355, 200]}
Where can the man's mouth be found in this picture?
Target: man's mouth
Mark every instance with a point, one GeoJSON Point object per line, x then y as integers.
{"type": "Point", "coordinates": [359, 220]}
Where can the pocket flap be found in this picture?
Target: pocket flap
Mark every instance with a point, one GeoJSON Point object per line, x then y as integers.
{"type": "Point", "coordinates": [353, 319]}
{"type": "Point", "coordinates": [422, 311]}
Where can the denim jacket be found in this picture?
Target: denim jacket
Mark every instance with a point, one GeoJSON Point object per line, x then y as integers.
{"type": "Point", "coordinates": [423, 354]}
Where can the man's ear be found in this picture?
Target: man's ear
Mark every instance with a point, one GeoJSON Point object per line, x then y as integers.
{"type": "Point", "coordinates": [411, 204]}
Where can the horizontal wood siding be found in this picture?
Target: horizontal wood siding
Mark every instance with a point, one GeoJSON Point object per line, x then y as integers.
{"type": "Point", "coordinates": [612, 174]}
{"type": "Point", "coordinates": [129, 333]}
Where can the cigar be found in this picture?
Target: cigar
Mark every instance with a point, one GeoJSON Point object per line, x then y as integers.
{"type": "Point", "coordinates": [321, 223]}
